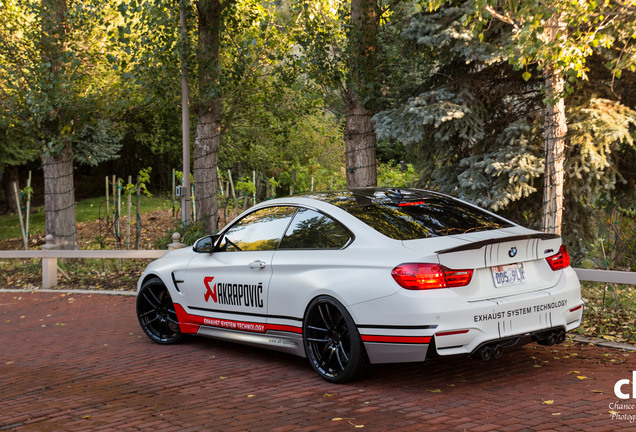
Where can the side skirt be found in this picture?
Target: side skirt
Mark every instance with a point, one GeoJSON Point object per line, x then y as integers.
{"type": "Point", "coordinates": [277, 337]}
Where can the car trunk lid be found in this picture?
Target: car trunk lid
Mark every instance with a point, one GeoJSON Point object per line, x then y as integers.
{"type": "Point", "coordinates": [505, 262]}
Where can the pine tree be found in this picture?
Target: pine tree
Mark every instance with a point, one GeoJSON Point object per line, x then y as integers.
{"type": "Point", "coordinates": [478, 129]}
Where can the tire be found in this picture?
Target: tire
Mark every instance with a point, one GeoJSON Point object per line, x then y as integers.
{"type": "Point", "coordinates": [156, 313]}
{"type": "Point", "coordinates": [332, 342]}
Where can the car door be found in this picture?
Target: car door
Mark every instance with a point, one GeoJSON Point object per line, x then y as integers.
{"type": "Point", "coordinates": [308, 259]}
{"type": "Point", "coordinates": [235, 277]}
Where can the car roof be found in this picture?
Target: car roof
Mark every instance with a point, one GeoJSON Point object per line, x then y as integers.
{"type": "Point", "coordinates": [371, 195]}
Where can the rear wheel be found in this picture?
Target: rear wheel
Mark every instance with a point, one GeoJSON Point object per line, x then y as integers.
{"type": "Point", "coordinates": [156, 313]}
{"type": "Point", "coordinates": [332, 342]}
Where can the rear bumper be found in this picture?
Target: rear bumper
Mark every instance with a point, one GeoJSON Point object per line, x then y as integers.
{"type": "Point", "coordinates": [525, 315]}
{"type": "Point", "coordinates": [456, 326]}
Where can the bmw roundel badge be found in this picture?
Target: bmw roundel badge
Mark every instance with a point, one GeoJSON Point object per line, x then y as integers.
{"type": "Point", "coordinates": [512, 252]}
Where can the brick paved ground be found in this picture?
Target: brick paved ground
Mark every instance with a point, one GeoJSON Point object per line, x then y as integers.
{"type": "Point", "coordinates": [78, 362]}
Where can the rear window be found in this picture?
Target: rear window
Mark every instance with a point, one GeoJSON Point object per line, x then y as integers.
{"type": "Point", "coordinates": [415, 214]}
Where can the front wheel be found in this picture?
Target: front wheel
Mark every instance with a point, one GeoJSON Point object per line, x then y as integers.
{"type": "Point", "coordinates": [156, 313]}
{"type": "Point", "coordinates": [332, 342]}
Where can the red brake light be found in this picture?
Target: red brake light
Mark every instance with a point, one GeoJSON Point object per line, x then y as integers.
{"type": "Point", "coordinates": [423, 276]}
{"type": "Point", "coordinates": [560, 260]}
{"type": "Point", "coordinates": [411, 203]}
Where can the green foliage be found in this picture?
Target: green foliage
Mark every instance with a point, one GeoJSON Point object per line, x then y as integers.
{"type": "Point", "coordinates": [246, 187]}
{"type": "Point", "coordinates": [55, 88]}
{"type": "Point", "coordinates": [97, 143]}
{"type": "Point", "coordinates": [477, 130]}
{"type": "Point", "coordinates": [580, 30]}
{"type": "Point", "coordinates": [189, 234]}
{"type": "Point", "coordinates": [599, 128]}
{"type": "Point", "coordinates": [390, 175]}
{"type": "Point", "coordinates": [144, 179]}
{"type": "Point", "coordinates": [323, 178]}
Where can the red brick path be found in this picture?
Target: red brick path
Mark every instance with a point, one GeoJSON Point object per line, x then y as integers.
{"type": "Point", "coordinates": [77, 362]}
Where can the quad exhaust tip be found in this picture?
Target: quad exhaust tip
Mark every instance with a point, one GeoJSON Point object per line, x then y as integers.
{"type": "Point", "coordinates": [487, 352]}
{"type": "Point", "coordinates": [552, 338]}
{"type": "Point", "coordinates": [495, 349]}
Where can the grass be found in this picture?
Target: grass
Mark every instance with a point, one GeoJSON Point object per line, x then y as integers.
{"type": "Point", "coordinates": [610, 311]}
{"type": "Point", "coordinates": [85, 211]}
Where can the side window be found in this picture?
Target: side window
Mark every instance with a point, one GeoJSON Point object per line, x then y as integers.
{"type": "Point", "coordinates": [260, 230]}
{"type": "Point", "coordinates": [313, 230]}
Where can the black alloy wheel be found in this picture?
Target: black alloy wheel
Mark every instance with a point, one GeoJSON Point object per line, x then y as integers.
{"type": "Point", "coordinates": [332, 342]}
{"type": "Point", "coordinates": [156, 313]}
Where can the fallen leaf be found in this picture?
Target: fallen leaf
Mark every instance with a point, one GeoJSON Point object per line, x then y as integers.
{"type": "Point", "coordinates": [547, 402]}
{"type": "Point", "coordinates": [436, 391]}
{"type": "Point", "coordinates": [327, 395]}
{"type": "Point", "coordinates": [581, 377]}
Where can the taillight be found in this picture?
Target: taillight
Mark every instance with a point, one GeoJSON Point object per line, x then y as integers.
{"type": "Point", "coordinates": [423, 276]}
{"type": "Point", "coordinates": [559, 261]}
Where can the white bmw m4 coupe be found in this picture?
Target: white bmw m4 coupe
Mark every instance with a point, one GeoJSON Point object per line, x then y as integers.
{"type": "Point", "coordinates": [352, 278]}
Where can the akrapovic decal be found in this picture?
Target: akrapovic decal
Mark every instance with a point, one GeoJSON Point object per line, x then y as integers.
{"type": "Point", "coordinates": [235, 294]}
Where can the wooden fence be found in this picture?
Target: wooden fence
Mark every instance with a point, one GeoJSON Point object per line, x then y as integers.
{"type": "Point", "coordinates": [49, 257]}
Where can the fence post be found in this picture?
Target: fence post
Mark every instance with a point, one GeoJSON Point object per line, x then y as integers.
{"type": "Point", "coordinates": [176, 243]}
{"type": "Point", "coordinates": [49, 265]}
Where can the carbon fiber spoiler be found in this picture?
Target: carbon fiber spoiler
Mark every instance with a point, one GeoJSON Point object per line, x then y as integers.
{"type": "Point", "coordinates": [482, 243]}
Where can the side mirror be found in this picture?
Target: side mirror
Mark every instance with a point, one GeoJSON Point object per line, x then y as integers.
{"type": "Point", "coordinates": [205, 244]}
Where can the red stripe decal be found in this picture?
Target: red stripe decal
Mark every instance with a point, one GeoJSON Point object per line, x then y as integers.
{"type": "Point", "coordinates": [450, 333]}
{"type": "Point", "coordinates": [284, 328]}
{"type": "Point", "coordinates": [189, 323]}
{"type": "Point", "coordinates": [397, 339]}
{"type": "Point", "coordinates": [576, 308]}
{"type": "Point", "coordinates": [185, 320]}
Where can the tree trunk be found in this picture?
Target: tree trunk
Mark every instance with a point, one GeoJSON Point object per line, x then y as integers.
{"type": "Point", "coordinates": [208, 136]}
{"type": "Point", "coordinates": [186, 202]}
{"type": "Point", "coordinates": [360, 145]}
{"type": "Point", "coordinates": [57, 163]}
{"type": "Point", "coordinates": [360, 139]}
{"type": "Point", "coordinates": [555, 131]}
{"type": "Point", "coordinates": [59, 198]}
{"type": "Point", "coordinates": [206, 155]}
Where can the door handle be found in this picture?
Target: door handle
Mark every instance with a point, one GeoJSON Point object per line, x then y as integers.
{"type": "Point", "coordinates": [257, 265]}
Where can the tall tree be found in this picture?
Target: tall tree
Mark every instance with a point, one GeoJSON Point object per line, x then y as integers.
{"type": "Point", "coordinates": [559, 36]}
{"type": "Point", "coordinates": [360, 138]}
{"type": "Point", "coordinates": [476, 125]}
{"type": "Point", "coordinates": [57, 157]}
{"type": "Point", "coordinates": [208, 107]}
{"type": "Point", "coordinates": [340, 51]}
{"type": "Point", "coordinates": [56, 87]}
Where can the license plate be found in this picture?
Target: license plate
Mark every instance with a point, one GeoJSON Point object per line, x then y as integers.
{"type": "Point", "coordinates": [510, 274]}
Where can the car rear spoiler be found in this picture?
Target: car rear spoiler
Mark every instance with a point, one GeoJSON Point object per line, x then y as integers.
{"type": "Point", "coordinates": [482, 243]}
